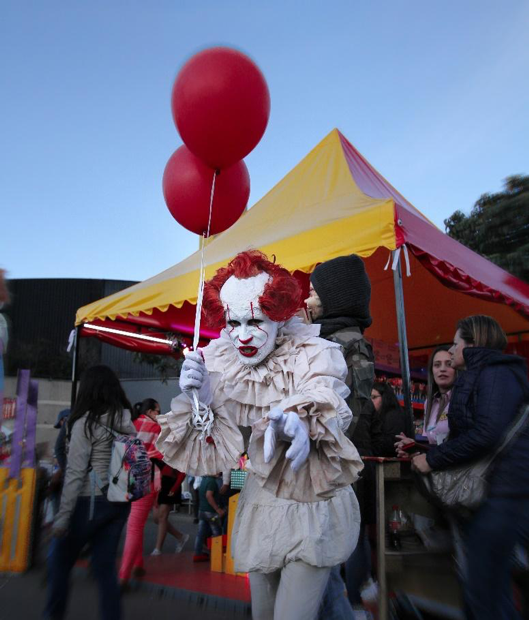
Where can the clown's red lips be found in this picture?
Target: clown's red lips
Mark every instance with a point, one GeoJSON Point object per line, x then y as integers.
{"type": "Point", "coordinates": [248, 351]}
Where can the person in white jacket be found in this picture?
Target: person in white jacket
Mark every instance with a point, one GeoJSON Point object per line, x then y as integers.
{"type": "Point", "coordinates": [85, 515]}
{"type": "Point", "coordinates": [297, 514]}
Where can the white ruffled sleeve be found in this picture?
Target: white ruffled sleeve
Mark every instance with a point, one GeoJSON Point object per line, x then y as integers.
{"type": "Point", "coordinates": [182, 448]}
{"type": "Point", "coordinates": [333, 461]}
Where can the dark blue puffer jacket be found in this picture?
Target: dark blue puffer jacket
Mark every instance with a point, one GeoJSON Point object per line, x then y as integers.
{"type": "Point", "coordinates": [486, 398]}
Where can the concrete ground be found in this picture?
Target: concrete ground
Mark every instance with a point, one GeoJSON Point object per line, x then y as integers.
{"type": "Point", "coordinates": [23, 596]}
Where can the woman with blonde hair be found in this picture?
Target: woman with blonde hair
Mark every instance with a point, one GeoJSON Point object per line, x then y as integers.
{"type": "Point", "coordinates": [486, 400]}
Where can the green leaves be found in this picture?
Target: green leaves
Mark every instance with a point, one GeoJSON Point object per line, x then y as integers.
{"type": "Point", "coordinates": [498, 226]}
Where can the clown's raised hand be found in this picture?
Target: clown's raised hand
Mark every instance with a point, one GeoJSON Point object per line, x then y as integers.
{"type": "Point", "coordinates": [299, 436]}
{"type": "Point", "coordinates": [274, 432]}
{"type": "Point", "coordinates": [287, 427]}
{"type": "Point", "coordinates": [195, 376]}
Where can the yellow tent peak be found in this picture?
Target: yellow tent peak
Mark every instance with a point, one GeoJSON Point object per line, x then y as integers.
{"type": "Point", "coordinates": [316, 212]}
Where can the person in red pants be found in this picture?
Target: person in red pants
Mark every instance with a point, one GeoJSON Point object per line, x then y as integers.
{"type": "Point", "coordinates": [148, 430]}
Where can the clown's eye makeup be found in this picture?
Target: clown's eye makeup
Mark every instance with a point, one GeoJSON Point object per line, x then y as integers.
{"type": "Point", "coordinates": [255, 322]}
{"type": "Point", "coordinates": [233, 323]}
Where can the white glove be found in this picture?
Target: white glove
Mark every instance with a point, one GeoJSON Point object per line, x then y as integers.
{"type": "Point", "coordinates": [287, 427]}
{"type": "Point", "coordinates": [274, 432]}
{"type": "Point", "coordinates": [194, 375]}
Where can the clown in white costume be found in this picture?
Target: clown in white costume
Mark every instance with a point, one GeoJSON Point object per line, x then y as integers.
{"type": "Point", "coordinates": [297, 514]}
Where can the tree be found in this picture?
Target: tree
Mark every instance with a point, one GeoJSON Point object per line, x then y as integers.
{"type": "Point", "coordinates": [498, 226]}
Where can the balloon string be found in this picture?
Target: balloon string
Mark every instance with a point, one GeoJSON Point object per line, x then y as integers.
{"type": "Point", "coordinates": [198, 313]}
{"type": "Point", "coordinates": [211, 201]}
{"type": "Point", "coordinates": [202, 416]}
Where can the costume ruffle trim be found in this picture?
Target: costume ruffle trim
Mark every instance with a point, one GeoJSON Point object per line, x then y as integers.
{"type": "Point", "coordinates": [332, 464]}
{"type": "Point", "coordinates": [269, 533]}
{"type": "Point", "coordinates": [265, 384]}
{"type": "Point", "coordinates": [180, 443]}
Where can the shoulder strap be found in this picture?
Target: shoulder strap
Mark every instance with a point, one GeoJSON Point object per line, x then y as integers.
{"type": "Point", "coordinates": [515, 429]}
{"type": "Point", "coordinates": [347, 337]}
{"type": "Point", "coordinates": [516, 426]}
{"type": "Point", "coordinates": [109, 430]}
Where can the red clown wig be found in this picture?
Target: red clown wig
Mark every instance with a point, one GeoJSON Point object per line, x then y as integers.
{"type": "Point", "coordinates": [281, 298]}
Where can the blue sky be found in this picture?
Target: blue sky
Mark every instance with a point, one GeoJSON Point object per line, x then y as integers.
{"type": "Point", "coordinates": [434, 94]}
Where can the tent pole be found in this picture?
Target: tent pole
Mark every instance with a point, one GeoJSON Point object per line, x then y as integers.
{"type": "Point", "coordinates": [75, 366]}
{"type": "Point", "coordinates": [403, 338]}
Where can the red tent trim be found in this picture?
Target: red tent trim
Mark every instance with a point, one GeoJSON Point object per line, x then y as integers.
{"type": "Point", "coordinates": [437, 252]}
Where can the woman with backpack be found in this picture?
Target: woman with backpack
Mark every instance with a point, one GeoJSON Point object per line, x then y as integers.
{"type": "Point", "coordinates": [85, 515]}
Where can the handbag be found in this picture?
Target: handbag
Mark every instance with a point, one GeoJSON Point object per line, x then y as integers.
{"type": "Point", "coordinates": [465, 487]}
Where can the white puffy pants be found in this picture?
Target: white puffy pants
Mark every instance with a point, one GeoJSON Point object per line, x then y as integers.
{"type": "Point", "coordinates": [291, 593]}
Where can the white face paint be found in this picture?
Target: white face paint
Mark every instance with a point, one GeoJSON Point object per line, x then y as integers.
{"type": "Point", "coordinates": [252, 333]}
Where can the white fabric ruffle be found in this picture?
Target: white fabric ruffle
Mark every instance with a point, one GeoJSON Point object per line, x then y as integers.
{"type": "Point", "coordinates": [270, 532]}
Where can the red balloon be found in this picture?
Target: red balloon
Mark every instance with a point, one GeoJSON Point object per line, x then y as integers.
{"type": "Point", "coordinates": [187, 185]}
{"type": "Point", "coordinates": [221, 105]}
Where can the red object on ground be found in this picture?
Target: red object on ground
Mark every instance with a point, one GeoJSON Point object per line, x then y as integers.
{"type": "Point", "coordinates": [221, 105]}
{"type": "Point", "coordinates": [187, 183]}
{"type": "Point", "coordinates": [179, 572]}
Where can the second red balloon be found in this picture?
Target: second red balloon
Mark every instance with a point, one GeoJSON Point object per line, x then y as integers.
{"type": "Point", "coordinates": [187, 183]}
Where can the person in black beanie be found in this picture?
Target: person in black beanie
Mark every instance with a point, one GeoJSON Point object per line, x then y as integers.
{"type": "Point", "coordinates": [340, 293]}
{"type": "Point", "coordinates": [339, 298]}
{"type": "Point", "coordinates": [344, 291]}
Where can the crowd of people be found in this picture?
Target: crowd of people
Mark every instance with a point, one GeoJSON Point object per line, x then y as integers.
{"type": "Point", "coordinates": [309, 393]}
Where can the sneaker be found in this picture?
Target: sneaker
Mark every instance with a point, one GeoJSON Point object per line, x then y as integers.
{"type": "Point", "coordinates": [201, 558]}
{"type": "Point", "coordinates": [156, 552]}
{"type": "Point", "coordinates": [181, 542]}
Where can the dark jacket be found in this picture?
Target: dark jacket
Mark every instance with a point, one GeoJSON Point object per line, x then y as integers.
{"type": "Point", "coordinates": [392, 423]}
{"type": "Point", "coordinates": [358, 354]}
{"type": "Point", "coordinates": [365, 429]}
{"type": "Point", "coordinates": [485, 400]}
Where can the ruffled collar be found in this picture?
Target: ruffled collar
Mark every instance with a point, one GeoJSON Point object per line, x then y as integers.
{"type": "Point", "coordinates": [244, 384]}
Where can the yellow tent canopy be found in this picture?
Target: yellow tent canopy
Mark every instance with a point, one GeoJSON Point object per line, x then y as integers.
{"type": "Point", "coordinates": [333, 203]}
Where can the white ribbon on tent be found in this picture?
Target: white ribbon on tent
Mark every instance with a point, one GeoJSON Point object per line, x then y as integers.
{"type": "Point", "coordinates": [201, 414]}
{"type": "Point", "coordinates": [396, 258]}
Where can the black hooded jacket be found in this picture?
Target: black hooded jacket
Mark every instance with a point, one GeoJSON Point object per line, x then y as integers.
{"type": "Point", "coordinates": [486, 399]}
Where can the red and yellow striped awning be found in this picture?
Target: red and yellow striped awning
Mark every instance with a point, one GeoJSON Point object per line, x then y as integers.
{"type": "Point", "coordinates": [335, 203]}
